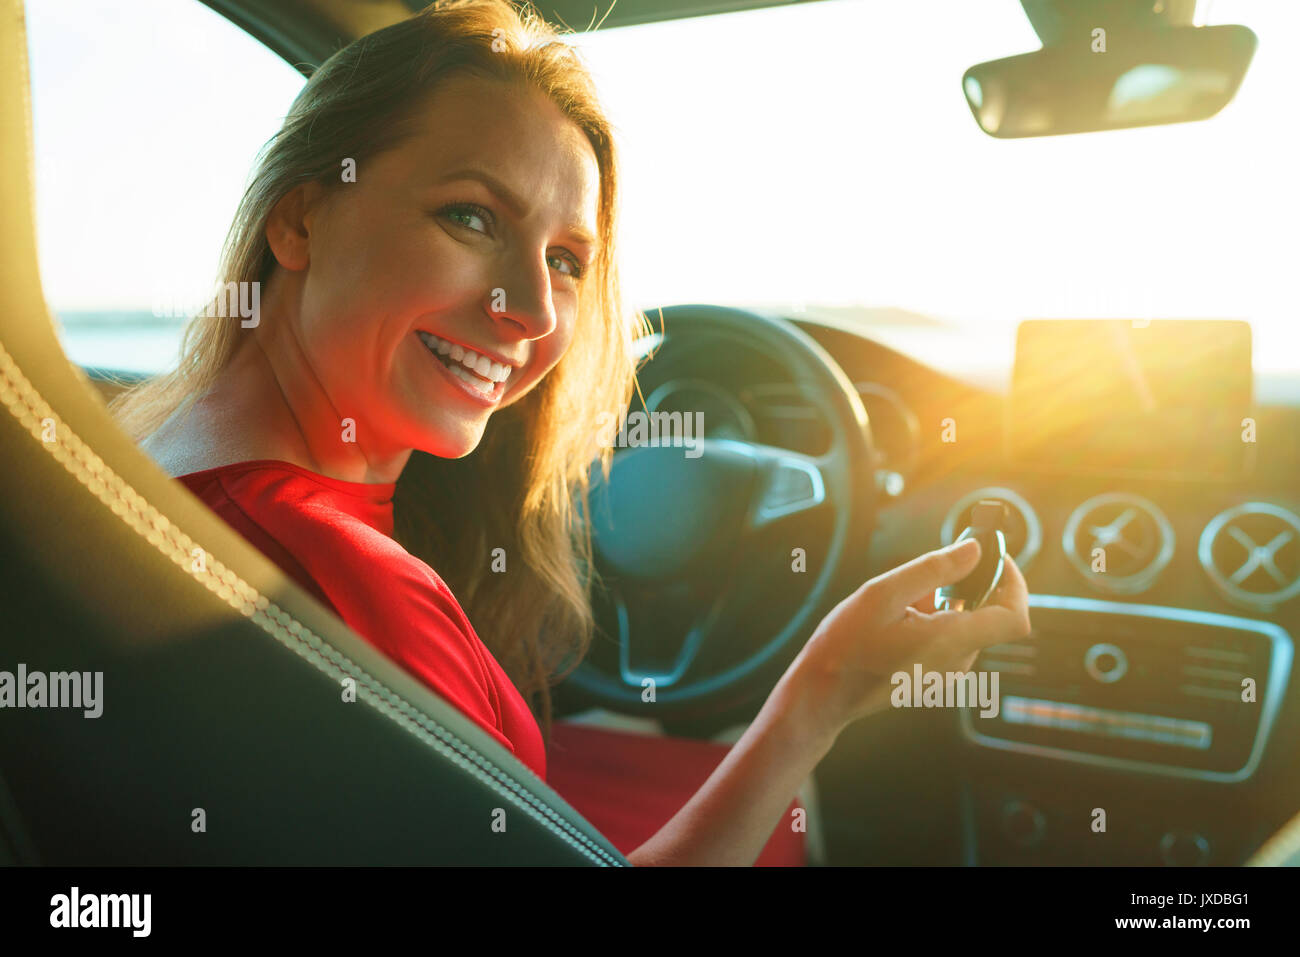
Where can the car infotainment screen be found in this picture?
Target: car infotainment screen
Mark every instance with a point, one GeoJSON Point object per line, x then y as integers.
{"type": "Point", "coordinates": [1168, 396]}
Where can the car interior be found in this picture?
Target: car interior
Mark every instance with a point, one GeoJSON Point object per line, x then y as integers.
{"type": "Point", "coordinates": [1147, 464]}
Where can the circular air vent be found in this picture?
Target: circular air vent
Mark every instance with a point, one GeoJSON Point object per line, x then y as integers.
{"type": "Point", "coordinates": [1135, 540]}
{"type": "Point", "coordinates": [1023, 532]}
{"type": "Point", "coordinates": [1252, 554]}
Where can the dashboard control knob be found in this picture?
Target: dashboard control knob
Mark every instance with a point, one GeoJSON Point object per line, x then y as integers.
{"type": "Point", "coordinates": [1022, 823]}
{"type": "Point", "coordinates": [1105, 662]}
{"type": "Point", "coordinates": [1184, 849]}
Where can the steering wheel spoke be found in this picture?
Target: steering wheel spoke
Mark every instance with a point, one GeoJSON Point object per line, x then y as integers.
{"type": "Point", "coordinates": [670, 661]}
{"type": "Point", "coordinates": [788, 485]}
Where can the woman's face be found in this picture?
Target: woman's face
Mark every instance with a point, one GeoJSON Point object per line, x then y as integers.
{"type": "Point", "coordinates": [443, 283]}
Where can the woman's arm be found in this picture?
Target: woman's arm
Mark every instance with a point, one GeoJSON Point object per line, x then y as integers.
{"type": "Point", "coordinates": [840, 675]}
{"type": "Point", "coordinates": [730, 818]}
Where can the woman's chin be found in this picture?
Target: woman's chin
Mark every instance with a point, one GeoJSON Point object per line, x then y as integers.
{"type": "Point", "coordinates": [452, 443]}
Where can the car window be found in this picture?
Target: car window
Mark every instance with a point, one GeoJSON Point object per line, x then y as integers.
{"type": "Point", "coordinates": [147, 116]}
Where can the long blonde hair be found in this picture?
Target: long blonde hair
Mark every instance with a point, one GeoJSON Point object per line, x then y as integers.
{"type": "Point", "coordinates": [524, 488]}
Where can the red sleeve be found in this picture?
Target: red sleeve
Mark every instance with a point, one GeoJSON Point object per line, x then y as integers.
{"type": "Point", "coordinates": [393, 598]}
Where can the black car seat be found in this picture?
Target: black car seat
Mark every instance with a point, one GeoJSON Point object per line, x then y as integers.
{"type": "Point", "coordinates": [225, 736]}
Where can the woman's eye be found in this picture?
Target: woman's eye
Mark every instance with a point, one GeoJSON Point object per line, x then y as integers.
{"type": "Point", "coordinates": [470, 216]}
{"type": "Point", "coordinates": [566, 263]}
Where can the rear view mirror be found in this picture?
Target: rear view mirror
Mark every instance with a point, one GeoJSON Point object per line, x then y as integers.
{"type": "Point", "coordinates": [1143, 78]}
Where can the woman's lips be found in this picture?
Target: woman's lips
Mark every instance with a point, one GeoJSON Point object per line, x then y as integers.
{"type": "Point", "coordinates": [482, 390]}
{"type": "Point", "coordinates": [472, 360]}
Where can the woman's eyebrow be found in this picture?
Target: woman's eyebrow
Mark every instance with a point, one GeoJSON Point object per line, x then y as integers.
{"type": "Point", "coordinates": [504, 193]}
{"type": "Point", "coordinates": [583, 235]}
{"type": "Point", "coordinates": [514, 201]}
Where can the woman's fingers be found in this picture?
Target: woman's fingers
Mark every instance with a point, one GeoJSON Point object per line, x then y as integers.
{"type": "Point", "coordinates": [1009, 604]}
{"type": "Point", "coordinates": [919, 578]}
{"type": "Point", "coordinates": [1012, 592]}
{"type": "Point", "coordinates": [896, 609]}
{"type": "Point", "coordinates": [1004, 618]}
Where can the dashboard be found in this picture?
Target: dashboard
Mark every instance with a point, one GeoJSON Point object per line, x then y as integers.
{"type": "Point", "coordinates": [1154, 508]}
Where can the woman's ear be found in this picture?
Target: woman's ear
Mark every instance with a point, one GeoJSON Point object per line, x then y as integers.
{"type": "Point", "coordinates": [288, 228]}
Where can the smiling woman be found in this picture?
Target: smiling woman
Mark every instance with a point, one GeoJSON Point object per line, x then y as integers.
{"type": "Point", "coordinates": [462, 273]}
{"type": "Point", "coordinates": [413, 417]}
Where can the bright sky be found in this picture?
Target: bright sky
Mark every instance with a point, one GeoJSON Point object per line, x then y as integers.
{"type": "Point", "coordinates": [818, 153]}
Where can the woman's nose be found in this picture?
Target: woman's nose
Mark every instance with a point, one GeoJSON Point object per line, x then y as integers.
{"type": "Point", "coordinates": [526, 302]}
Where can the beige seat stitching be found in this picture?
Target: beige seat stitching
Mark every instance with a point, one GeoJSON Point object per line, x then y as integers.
{"type": "Point", "coordinates": [26, 404]}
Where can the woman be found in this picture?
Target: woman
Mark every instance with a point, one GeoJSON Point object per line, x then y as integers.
{"type": "Point", "coordinates": [432, 231]}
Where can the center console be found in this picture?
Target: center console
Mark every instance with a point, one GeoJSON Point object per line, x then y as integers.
{"type": "Point", "coordinates": [1162, 693]}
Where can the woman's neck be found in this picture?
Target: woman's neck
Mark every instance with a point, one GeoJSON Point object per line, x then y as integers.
{"type": "Point", "coordinates": [266, 404]}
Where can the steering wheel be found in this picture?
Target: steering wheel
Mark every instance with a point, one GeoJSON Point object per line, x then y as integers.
{"type": "Point", "coordinates": [686, 537]}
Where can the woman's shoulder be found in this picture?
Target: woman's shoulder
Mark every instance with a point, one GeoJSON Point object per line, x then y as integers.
{"type": "Point", "coordinates": [339, 534]}
{"type": "Point", "coordinates": [229, 424]}
{"type": "Point", "coordinates": [335, 538]}
{"type": "Point", "coordinates": [304, 510]}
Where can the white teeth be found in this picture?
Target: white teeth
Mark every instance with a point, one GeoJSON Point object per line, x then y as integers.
{"type": "Point", "coordinates": [478, 385]}
{"type": "Point", "coordinates": [480, 365]}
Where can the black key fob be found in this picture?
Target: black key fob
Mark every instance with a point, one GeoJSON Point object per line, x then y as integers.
{"type": "Point", "coordinates": [986, 521]}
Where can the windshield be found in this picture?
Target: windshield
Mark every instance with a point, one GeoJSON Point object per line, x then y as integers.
{"type": "Point", "coordinates": [817, 158]}
{"type": "Point", "coordinates": [822, 155]}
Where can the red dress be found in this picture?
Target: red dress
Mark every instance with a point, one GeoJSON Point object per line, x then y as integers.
{"type": "Point", "coordinates": [334, 539]}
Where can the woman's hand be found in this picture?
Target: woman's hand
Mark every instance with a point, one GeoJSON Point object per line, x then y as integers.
{"type": "Point", "coordinates": [890, 625]}
{"type": "Point", "coordinates": [842, 673]}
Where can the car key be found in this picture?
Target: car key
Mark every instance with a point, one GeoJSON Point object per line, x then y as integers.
{"type": "Point", "coordinates": [971, 592]}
